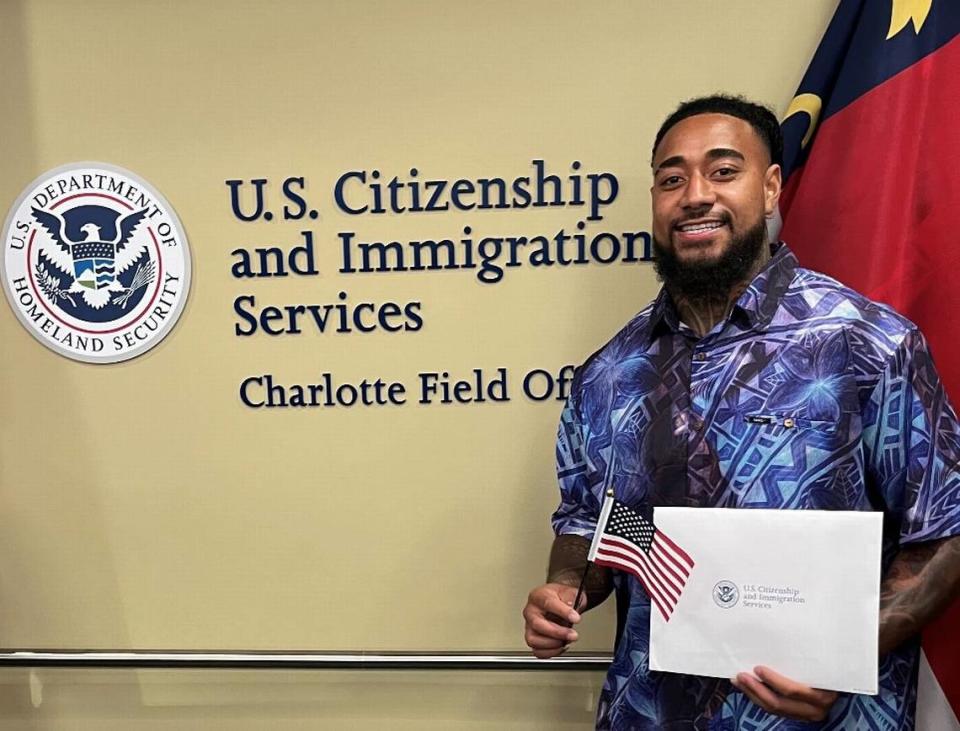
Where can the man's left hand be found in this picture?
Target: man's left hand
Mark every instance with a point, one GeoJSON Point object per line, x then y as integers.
{"type": "Point", "coordinates": [784, 697]}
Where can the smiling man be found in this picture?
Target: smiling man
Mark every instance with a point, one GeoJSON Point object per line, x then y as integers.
{"type": "Point", "coordinates": [842, 397]}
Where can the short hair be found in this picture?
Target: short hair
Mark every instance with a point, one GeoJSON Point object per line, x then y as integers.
{"type": "Point", "coordinates": [761, 118]}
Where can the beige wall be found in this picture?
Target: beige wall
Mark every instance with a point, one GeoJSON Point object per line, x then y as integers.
{"type": "Point", "coordinates": [143, 506]}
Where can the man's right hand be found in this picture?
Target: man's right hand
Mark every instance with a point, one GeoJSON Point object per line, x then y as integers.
{"type": "Point", "coordinates": [549, 616]}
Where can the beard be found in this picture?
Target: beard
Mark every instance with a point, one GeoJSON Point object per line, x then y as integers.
{"type": "Point", "coordinates": [711, 280]}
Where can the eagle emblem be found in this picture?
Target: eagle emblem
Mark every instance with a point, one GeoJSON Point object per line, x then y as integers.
{"type": "Point", "coordinates": [726, 594]}
{"type": "Point", "coordinates": [93, 264]}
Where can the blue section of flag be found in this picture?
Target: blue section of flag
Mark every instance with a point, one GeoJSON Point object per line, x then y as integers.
{"type": "Point", "coordinates": [855, 55]}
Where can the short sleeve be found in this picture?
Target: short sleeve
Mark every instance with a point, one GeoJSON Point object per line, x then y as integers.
{"type": "Point", "coordinates": [912, 444]}
{"type": "Point", "coordinates": [579, 508]}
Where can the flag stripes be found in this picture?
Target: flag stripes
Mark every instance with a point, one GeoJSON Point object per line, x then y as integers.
{"type": "Point", "coordinates": [625, 540]}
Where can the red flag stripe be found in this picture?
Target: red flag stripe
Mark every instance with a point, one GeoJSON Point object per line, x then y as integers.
{"type": "Point", "coordinates": [631, 551]}
{"type": "Point", "coordinates": [615, 564]}
{"type": "Point", "coordinates": [667, 603]}
{"type": "Point", "coordinates": [640, 565]}
{"type": "Point", "coordinates": [659, 549]}
{"type": "Point", "coordinates": [674, 559]}
{"type": "Point", "coordinates": [637, 564]}
{"type": "Point", "coordinates": [675, 548]}
{"type": "Point", "coordinates": [619, 564]}
{"type": "Point", "coordinates": [676, 579]}
{"type": "Point", "coordinates": [657, 565]}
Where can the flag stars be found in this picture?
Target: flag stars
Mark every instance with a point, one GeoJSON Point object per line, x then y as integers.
{"type": "Point", "coordinates": [631, 543]}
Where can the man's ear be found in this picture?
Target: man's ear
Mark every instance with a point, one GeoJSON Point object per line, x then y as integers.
{"type": "Point", "coordinates": [772, 181]}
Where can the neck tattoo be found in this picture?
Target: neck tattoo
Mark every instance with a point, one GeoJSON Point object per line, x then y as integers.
{"type": "Point", "coordinates": [704, 293]}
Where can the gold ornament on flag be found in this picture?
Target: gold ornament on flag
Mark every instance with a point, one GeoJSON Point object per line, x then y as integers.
{"type": "Point", "coordinates": [811, 104]}
{"type": "Point", "coordinates": [905, 11]}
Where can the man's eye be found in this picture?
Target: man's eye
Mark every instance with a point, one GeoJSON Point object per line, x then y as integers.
{"type": "Point", "coordinates": [725, 172]}
{"type": "Point", "coordinates": [670, 180]}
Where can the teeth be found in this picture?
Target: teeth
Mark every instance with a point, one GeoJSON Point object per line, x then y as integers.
{"type": "Point", "coordinates": [697, 227]}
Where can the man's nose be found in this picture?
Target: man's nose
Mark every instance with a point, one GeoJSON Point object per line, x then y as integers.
{"type": "Point", "coordinates": [698, 192]}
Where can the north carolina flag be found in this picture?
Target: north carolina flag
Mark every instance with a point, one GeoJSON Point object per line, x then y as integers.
{"type": "Point", "coordinates": [872, 196]}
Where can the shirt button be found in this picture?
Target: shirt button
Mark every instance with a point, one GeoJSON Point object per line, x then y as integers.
{"type": "Point", "coordinates": [789, 423]}
{"type": "Point", "coordinates": [696, 424]}
{"type": "Point", "coordinates": [700, 356]}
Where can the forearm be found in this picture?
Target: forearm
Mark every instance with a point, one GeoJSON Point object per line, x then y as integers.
{"type": "Point", "coordinates": [568, 558]}
{"type": "Point", "coordinates": [923, 579]}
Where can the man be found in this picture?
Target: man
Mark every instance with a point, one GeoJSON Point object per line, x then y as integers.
{"type": "Point", "coordinates": [846, 413]}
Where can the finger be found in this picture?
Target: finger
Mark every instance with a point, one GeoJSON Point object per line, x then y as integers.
{"type": "Point", "coordinates": [530, 611]}
{"type": "Point", "coordinates": [539, 642]}
{"type": "Point", "coordinates": [554, 604]}
{"type": "Point", "coordinates": [773, 703]}
{"type": "Point", "coordinates": [544, 647]}
{"type": "Point", "coordinates": [546, 628]}
{"type": "Point", "coordinates": [533, 612]}
{"type": "Point", "coordinates": [533, 607]}
{"type": "Point", "coordinates": [792, 689]}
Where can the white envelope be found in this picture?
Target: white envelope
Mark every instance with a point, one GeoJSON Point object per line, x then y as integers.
{"type": "Point", "coordinates": [795, 590]}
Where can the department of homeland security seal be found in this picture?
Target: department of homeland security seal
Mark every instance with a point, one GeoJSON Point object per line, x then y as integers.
{"type": "Point", "coordinates": [726, 594]}
{"type": "Point", "coordinates": [95, 264]}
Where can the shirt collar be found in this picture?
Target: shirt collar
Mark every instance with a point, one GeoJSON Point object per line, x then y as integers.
{"type": "Point", "coordinates": [756, 305]}
{"type": "Point", "coordinates": [759, 301]}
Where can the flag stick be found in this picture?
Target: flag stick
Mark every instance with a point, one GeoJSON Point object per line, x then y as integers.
{"type": "Point", "coordinates": [583, 582]}
{"type": "Point", "coordinates": [599, 530]}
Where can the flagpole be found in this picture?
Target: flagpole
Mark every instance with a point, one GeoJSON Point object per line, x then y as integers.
{"type": "Point", "coordinates": [600, 529]}
{"type": "Point", "coordinates": [583, 581]}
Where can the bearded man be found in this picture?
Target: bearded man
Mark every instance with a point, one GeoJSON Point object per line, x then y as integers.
{"type": "Point", "coordinates": [852, 413]}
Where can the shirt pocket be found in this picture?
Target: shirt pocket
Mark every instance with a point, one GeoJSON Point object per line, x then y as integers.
{"type": "Point", "coordinates": [788, 461]}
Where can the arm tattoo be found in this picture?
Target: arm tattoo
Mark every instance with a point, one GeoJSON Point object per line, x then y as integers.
{"type": "Point", "coordinates": [568, 557]}
{"type": "Point", "coordinates": [923, 579]}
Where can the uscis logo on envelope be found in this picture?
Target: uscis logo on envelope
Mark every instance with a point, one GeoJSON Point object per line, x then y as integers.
{"type": "Point", "coordinates": [796, 590]}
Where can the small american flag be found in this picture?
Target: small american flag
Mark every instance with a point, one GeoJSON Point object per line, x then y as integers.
{"type": "Point", "coordinates": [626, 540]}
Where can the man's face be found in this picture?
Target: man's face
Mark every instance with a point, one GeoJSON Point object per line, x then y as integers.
{"type": "Point", "coordinates": [713, 182]}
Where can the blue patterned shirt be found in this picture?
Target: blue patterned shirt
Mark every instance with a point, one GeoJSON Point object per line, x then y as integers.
{"type": "Point", "coordinates": [846, 413]}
